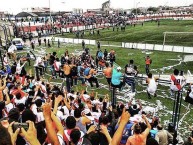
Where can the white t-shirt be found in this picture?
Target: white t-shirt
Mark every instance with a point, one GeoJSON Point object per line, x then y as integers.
{"type": "Point", "coordinates": [179, 81]}
{"type": "Point", "coordinates": [5, 61]}
{"type": "Point", "coordinates": [60, 138]}
{"type": "Point", "coordinates": [86, 96]}
{"type": "Point", "coordinates": [152, 86]}
{"type": "Point", "coordinates": [34, 109]}
{"type": "Point", "coordinates": [57, 67]}
{"type": "Point", "coordinates": [61, 116]}
{"type": "Point", "coordinates": [38, 61]}
{"type": "Point", "coordinates": [20, 101]}
{"type": "Point", "coordinates": [40, 117]}
{"type": "Point", "coordinates": [66, 111]}
{"type": "Point", "coordinates": [12, 48]}
{"type": "Point", "coordinates": [191, 93]}
{"type": "Point", "coordinates": [9, 107]}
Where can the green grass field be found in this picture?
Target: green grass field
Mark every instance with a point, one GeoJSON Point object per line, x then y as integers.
{"type": "Point", "coordinates": [160, 60]}
{"type": "Point", "coordinates": [150, 33]}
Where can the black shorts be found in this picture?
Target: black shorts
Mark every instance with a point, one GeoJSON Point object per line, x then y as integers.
{"type": "Point", "coordinates": [108, 80]}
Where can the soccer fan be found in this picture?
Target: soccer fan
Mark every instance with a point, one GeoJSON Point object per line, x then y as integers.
{"type": "Point", "coordinates": [108, 73]}
{"type": "Point", "coordinates": [11, 51]}
{"type": "Point", "coordinates": [116, 78]}
{"type": "Point", "coordinates": [139, 137]}
{"type": "Point", "coordinates": [177, 81]}
{"type": "Point", "coordinates": [148, 62]}
{"type": "Point", "coordinates": [152, 86]}
{"type": "Point", "coordinates": [89, 74]}
{"type": "Point", "coordinates": [163, 137]}
{"type": "Point", "coordinates": [131, 72]}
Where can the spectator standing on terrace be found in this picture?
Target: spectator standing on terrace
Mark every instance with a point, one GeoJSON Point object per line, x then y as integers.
{"type": "Point", "coordinates": [98, 32]}
{"type": "Point", "coordinates": [152, 86]}
{"type": "Point", "coordinates": [108, 73]}
{"type": "Point", "coordinates": [116, 78]}
{"type": "Point", "coordinates": [58, 43]}
{"type": "Point", "coordinates": [117, 28]}
{"type": "Point", "coordinates": [139, 138]}
{"type": "Point", "coordinates": [163, 137]}
{"type": "Point", "coordinates": [98, 45]}
{"type": "Point", "coordinates": [131, 71]}
{"type": "Point", "coordinates": [32, 45]}
{"type": "Point", "coordinates": [11, 51]}
{"type": "Point", "coordinates": [39, 41]}
{"type": "Point", "coordinates": [0, 41]}
{"type": "Point", "coordinates": [89, 74]}
{"type": "Point", "coordinates": [148, 62]}
{"type": "Point", "coordinates": [83, 44]}
{"type": "Point", "coordinates": [49, 43]}
{"type": "Point", "coordinates": [52, 41]}
{"type": "Point", "coordinates": [67, 73]}
{"type": "Point", "coordinates": [45, 41]}
{"type": "Point", "coordinates": [177, 81]}
{"type": "Point", "coordinates": [97, 59]}
{"type": "Point", "coordinates": [30, 37]}
{"type": "Point", "coordinates": [158, 23]}
{"type": "Point", "coordinates": [105, 54]}
{"type": "Point", "coordinates": [39, 67]}
{"type": "Point", "coordinates": [189, 96]}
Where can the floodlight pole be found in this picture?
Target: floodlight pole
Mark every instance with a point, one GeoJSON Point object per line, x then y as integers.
{"type": "Point", "coordinates": [164, 40]}
{"type": "Point", "coordinates": [50, 17]}
{"type": "Point", "coordinates": [136, 9]}
{"type": "Point", "coordinates": [176, 113]}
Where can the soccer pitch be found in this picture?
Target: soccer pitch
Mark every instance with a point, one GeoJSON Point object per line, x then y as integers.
{"type": "Point", "coordinates": [148, 33]}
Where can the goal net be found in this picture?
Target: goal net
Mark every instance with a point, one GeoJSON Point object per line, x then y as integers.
{"type": "Point", "coordinates": [178, 38]}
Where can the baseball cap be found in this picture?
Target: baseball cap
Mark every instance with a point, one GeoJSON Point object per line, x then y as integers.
{"type": "Point", "coordinates": [119, 68]}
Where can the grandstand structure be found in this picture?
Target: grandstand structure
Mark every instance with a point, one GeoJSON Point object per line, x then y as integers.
{"type": "Point", "coordinates": [6, 32]}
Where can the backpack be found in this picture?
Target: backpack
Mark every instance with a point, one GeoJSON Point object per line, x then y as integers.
{"type": "Point", "coordinates": [126, 133]}
{"type": "Point", "coordinates": [73, 71]}
{"type": "Point", "coordinates": [86, 71]}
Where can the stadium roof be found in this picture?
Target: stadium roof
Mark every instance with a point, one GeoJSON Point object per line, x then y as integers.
{"type": "Point", "coordinates": [26, 14]}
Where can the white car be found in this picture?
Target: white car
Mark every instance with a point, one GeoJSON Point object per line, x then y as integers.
{"type": "Point", "coordinates": [18, 43]}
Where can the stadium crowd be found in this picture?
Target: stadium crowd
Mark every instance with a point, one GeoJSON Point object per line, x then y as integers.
{"type": "Point", "coordinates": [60, 23]}
{"type": "Point", "coordinates": [34, 111]}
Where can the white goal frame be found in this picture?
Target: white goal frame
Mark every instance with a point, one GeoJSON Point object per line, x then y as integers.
{"type": "Point", "coordinates": [165, 33]}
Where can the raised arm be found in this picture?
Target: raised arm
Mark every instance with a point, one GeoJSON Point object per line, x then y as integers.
{"type": "Point", "coordinates": [104, 130]}
{"type": "Point", "coordinates": [57, 101]}
{"type": "Point", "coordinates": [4, 84]}
{"type": "Point", "coordinates": [50, 130]}
{"type": "Point", "coordinates": [147, 130]}
{"type": "Point", "coordinates": [67, 103]}
{"type": "Point", "coordinates": [140, 105]}
{"type": "Point", "coordinates": [58, 124]}
{"type": "Point", "coordinates": [7, 96]}
{"type": "Point", "coordinates": [123, 122]}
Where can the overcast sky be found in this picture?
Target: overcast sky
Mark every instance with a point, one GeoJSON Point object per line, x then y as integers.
{"type": "Point", "coordinates": [15, 6]}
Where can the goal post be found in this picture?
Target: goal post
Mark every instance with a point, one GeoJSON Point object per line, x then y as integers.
{"type": "Point", "coordinates": [178, 38]}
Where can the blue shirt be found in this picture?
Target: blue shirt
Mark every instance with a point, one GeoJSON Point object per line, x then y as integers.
{"type": "Point", "coordinates": [116, 76]}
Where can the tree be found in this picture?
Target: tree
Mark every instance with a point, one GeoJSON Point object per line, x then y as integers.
{"type": "Point", "coordinates": [152, 9]}
{"type": "Point", "coordinates": [134, 11]}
